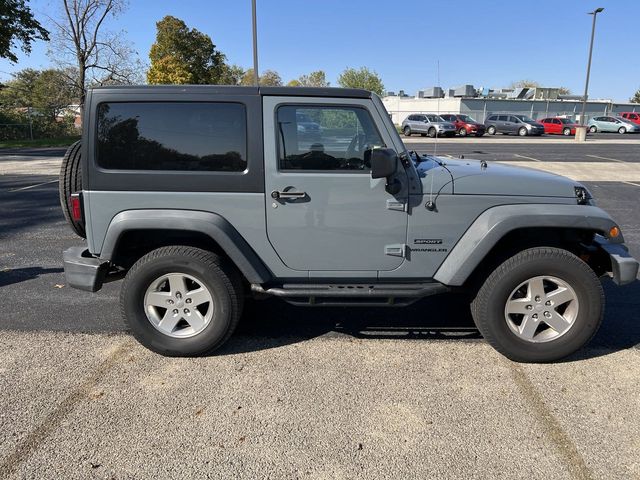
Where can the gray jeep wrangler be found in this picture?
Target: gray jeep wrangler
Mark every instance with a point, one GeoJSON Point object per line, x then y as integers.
{"type": "Point", "coordinates": [205, 195]}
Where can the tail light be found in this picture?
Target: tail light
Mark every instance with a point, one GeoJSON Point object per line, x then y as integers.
{"type": "Point", "coordinates": [76, 207]}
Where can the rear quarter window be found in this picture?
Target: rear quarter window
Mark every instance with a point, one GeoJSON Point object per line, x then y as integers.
{"type": "Point", "coordinates": [182, 136]}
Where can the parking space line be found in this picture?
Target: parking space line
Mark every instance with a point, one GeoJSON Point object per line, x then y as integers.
{"type": "Point", "coordinates": [607, 158]}
{"type": "Point", "coordinates": [32, 186]}
{"type": "Point", "coordinates": [631, 183]}
{"type": "Point", "coordinates": [528, 158]}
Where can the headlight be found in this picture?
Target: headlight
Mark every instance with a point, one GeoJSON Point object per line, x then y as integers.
{"type": "Point", "coordinates": [583, 196]}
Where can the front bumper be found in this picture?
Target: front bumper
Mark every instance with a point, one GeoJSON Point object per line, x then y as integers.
{"type": "Point", "coordinates": [83, 271]}
{"type": "Point", "coordinates": [624, 268]}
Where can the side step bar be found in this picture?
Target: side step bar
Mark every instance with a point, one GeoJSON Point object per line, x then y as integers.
{"type": "Point", "coordinates": [363, 294]}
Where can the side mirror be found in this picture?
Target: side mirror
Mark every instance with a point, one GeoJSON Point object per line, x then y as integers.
{"type": "Point", "coordinates": [384, 163]}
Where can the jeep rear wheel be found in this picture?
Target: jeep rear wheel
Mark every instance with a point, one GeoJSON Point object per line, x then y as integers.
{"type": "Point", "coordinates": [70, 181]}
{"type": "Point", "coordinates": [182, 301]}
{"type": "Point", "coordinates": [540, 305]}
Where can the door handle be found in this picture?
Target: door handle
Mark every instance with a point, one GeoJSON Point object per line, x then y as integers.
{"type": "Point", "coordinates": [278, 195]}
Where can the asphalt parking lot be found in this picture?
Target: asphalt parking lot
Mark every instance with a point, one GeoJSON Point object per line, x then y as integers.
{"type": "Point", "coordinates": [308, 393]}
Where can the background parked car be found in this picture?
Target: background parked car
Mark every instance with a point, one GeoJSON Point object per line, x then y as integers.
{"type": "Point", "coordinates": [631, 117]}
{"type": "Point", "coordinates": [612, 124]}
{"type": "Point", "coordinates": [465, 125]}
{"type": "Point", "coordinates": [427, 124]}
{"type": "Point", "coordinates": [509, 123]}
{"type": "Point", "coordinates": [559, 126]}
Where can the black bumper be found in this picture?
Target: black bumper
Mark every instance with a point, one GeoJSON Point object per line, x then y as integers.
{"type": "Point", "coordinates": [624, 268]}
{"type": "Point", "coordinates": [82, 271]}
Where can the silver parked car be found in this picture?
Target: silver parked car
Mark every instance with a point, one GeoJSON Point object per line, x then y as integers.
{"type": "Point", "coordinates": [428, 124]}
{"type": "Point", "coordinates": [612, 124]}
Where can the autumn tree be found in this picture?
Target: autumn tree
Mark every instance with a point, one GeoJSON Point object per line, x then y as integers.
{"type": "Point", "coordinates": [269, 78]}
{"type": "Point", "coordinates": [89, 53]}
{"type": "Point", "coordinates": [314, 79]}
{"type": "Point", "coordinates": [185, 55]}
{"type": "Point", "coordinates": [18, 27]}
{"type": "Point", "coordinates": [361, 78]}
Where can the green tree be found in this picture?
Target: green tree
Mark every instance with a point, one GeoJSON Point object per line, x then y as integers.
{"type": "Point", "coordinates": [524, 84]}
{"type": "Point", "coordinates": [314, 79]}
{"type": "Point", "coordinates": [269, 78]}
{"type": "Point", "coordinates": [361, 78]}
{"type": "Point", "coordinates": [231, 75]}
{"type": "Point", "coordinates": [182, 55]}
{"type": "Point", "coordinates": [294, 83]}
{"type": "Point", "coordinates": [47, 91]}
{"type": "Point", "coordinates": [18, 26]}
{"type": "Point", "coordinates": [636, 97]}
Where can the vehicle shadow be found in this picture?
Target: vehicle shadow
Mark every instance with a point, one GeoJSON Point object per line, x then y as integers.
{"type": "Point", "coordinates": [273, 323]}
{"type": "Point", "coordinates": [18, 275]}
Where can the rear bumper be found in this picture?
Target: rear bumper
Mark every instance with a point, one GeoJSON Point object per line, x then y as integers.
{"type": "Point", "coordinates": [82, 271]}
{"type": "Point", "coordinates": [624, 268]}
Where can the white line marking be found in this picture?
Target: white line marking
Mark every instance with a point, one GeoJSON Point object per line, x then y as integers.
{"type": "Point", "coordinates": [631, 183]}
{"type": "Point", "coordinates": [32, 186]}
{"type": "Point", "coordinates": [528, 158]}
{"type": "Point", "coordinates": [606, 158]}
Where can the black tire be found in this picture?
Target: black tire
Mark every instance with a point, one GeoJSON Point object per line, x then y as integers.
{"type": "Point", "coordinates": [593, 129]}
{"type": "Point", "coordinates": [523, 132]}
{"type": "Point", "coordinates": [488, 307]}
{"type": "Point", "coordinates": [566, 132]}
{"type": "Point", "coordinates": [220, 278]}
{"type": "Point", "coordinates": [622, 130]}
{"type": "Point", "coordinates": [462, 132]}
{"type": "Point", "coordinates": [407, 131]}
{"type": "Point", "coordinates": [70, 181]}
{"type": "Point", "coordinates": [491, 130]}
{"type": "Point", "coordinates": [432, 132]}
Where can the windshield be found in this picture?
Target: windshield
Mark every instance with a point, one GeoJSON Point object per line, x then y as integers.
{"type": "Point", "coordinates": [435, 118]}
{"type": "Point", "coordinates": [524, 118]}
{"type": "Point", "coordinates": [466, 118]}
{"type": "Point", "coordinates": [566, 121]}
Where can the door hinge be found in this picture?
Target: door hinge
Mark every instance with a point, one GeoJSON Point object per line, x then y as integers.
{"type": "Point", "coordinates": [397, 250]}
{"type": "Point", "coordinates": [396, 205]}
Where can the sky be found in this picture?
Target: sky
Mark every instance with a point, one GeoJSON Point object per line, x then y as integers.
{"type": "Point", "coordinates": [487, 43]}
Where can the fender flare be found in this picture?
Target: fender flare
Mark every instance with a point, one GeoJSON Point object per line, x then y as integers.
{"type": "Point", "coordinates": [211, 224]}
{"type": "Point", "coordinates": [496, 222]}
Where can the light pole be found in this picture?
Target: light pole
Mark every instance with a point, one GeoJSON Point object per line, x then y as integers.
{"type": "Point", "coordinates": [586, 85]}
{"type": "Point", "coordinates": [255, 42]}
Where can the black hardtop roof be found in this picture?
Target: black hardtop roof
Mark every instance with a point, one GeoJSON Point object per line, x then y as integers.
{"type": "Point", "coordinates": [235, 90]}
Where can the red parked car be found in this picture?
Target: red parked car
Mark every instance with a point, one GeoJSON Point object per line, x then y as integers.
{"type": "Point", "coordinates": [559, 126]}
{"type": "Point", "coordinates": [465, 125]}
{"type": "Point", "coordinates": [630, 116]}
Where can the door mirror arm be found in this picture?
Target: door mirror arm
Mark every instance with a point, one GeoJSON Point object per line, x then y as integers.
{"type": "Point", "coordinates": [384, 163]}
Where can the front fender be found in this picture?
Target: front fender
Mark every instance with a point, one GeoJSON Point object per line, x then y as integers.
{"type": "Point", "coordinates": [493, 224]}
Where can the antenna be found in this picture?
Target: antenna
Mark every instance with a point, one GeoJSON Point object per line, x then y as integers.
{"type": "Point", "coordinates": [430, 205]}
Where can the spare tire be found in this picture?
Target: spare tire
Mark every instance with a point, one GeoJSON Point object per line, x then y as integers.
{"type": "Point", "coordinates": [71, 182]}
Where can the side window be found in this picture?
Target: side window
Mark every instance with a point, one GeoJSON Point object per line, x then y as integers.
{"type": "Point", "coordinates": [633, 116]}
{"type": "Point", "coordinates": [325, 138]}
{"type": "Point", "coordinates": [184, 136]}
{"type": "Point", "coordinates": [411, 118]}
{"type": "Point", "coordinates": [556, 121]}
{"type": "Point", "coordinates": [513, 119]}
{"type": "Point", "coordinates": [492, 118]}
{"type": "Point", "coordinates": [502, 118]}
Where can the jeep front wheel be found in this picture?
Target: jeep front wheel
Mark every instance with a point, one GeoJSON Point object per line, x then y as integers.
{"type": "Point", "coordinates": [181, 301]}
{"type": "Point", "coordinates": [540, 305]}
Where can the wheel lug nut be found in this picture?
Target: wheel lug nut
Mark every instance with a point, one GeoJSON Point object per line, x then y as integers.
{"type": "Point", "coordinates": [186, 310]}
{"type": "Point", "coordinates": [548, 303]}
{"type": "Point", "coordinates": [175, 312]}
{"type": "Point", "coordinates": [188, 300]}
{"type": "Point", "coordinates": [178, 295]}
{"type": "Point", "coordinates": [547, 314]}
{"type": "Point", "coordinates": [534, 316]}
{"type": "Point", "coordinates": [170, 302]}
{"type": "Point", "coordinates": [537, 299]}
{"type": "Point", "coordinates": [529, 307]}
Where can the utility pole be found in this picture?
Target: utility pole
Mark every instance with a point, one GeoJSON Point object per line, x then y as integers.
{"type": "Point", "coordinates": [586, 85]}
{"type": "Point", "coordinates": [255, 43]}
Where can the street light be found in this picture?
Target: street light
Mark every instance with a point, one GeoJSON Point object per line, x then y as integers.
{"type": "Point", "coordinates": [255, 42]}
{"type": "Point", "coordinates": [586, 86]}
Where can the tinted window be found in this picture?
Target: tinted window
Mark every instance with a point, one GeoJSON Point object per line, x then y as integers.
{"type": "Point", "coordinates": [492, 118]}
{"type": "Point", "coordinates": [337, 138]}
{"type": "Point", "coordinates": [556, 121]}
{"type": "Point", "coordinates": [502, 118]}
{"type": "Point", "coordinates": [633, 116]}
{"type": "Point", "coordinates": [172, 136]}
